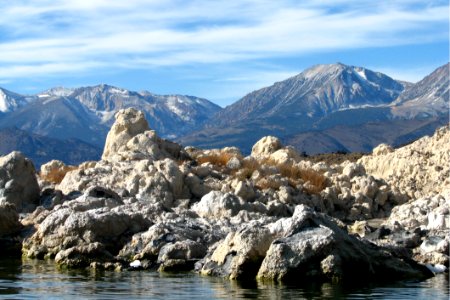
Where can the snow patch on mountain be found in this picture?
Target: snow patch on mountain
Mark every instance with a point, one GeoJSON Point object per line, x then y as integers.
{"type": "Point", "coordinates": [10, 101]}
{"type": "Point", "coordinates": [56, 92]}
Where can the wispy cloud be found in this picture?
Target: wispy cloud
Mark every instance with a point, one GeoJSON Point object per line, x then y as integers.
{"type": "Point", "coordinates": [51, 37]}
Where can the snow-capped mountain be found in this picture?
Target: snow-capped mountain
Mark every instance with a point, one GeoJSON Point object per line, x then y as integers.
{"type": "Point", "coordinates": [326, 107]}
{"type": "Point", "coordinates": [10, 101]}
{"type": "Point", "coordinates": [56, 92]}
{"type": "Point", "coordinates": [87, 113]}
{"type": "Point", "coordinates": [316, 92]}
{"type": "Point", "coordinates": [170, 115]}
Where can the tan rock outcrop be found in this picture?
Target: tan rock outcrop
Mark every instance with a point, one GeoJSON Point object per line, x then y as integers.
{"type": "Point", "coordinates": [419, 169]}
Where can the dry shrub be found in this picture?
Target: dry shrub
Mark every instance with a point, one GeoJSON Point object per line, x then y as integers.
{"type": "Point", "coordinates": [290, 171]}
{"type": "Point", "coordinates": [267, 183]}
{"type": "Point", "coordinates": [247, 169]}
{"type": "Point", "coordinates": [317, 181]}
{"type": "Point", "coordinates": [57, 175]}
{"type": "Point", "coordinates": [217, 159]}
{"type": "Point", "coordinates": [269, 162]}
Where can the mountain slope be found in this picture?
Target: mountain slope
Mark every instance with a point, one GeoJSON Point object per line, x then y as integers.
{"type": "Point", "coordinates": [325, 108]}
{"type": "Point", "coordinates": [10, 101]}
{"type": "Point", "coordinates": [428, 97]}
{"type": "Point", "coordinates": [42, 149]}
{"type": "Point", "coordinates": [57, 117]}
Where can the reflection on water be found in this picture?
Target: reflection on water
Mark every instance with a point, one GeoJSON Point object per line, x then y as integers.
{"type": "Point", "coordinates": [32, 279]}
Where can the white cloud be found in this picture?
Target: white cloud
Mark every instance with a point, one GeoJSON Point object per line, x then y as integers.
{"type": "Point", "coordinates": [47, 37]}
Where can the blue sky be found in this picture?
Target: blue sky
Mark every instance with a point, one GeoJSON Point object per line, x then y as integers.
{"type": "Point", "coordinates": [219, 50]}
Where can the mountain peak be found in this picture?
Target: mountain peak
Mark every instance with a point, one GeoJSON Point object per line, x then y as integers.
{"type": "Point", "coordinates": [58, 91]}
{"type": "Point", "coordinates": [10, 101]}
{"type": "Point", "coordinates": [324, 69]}
{"type": "Point", "coordinates": [106, 88]}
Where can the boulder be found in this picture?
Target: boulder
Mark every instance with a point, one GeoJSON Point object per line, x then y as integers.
{"type": "Point", "coordinates": [353, 169]}
{"type": "Point", "coordinates": [240, 254]}
{"type": "Point", "coordinates": [266, 146]}
{"type": "Point", "coordinates": [130, 138]}
{"type": "Point", "coordinates": [314, 247]}
{"type": "Point", "coordinates": [9, 220]}
{"type": "Point", "coordinates": [51, 167]}
{"type": "Point", "coordinates": [285, 155]}
{"type": "Point", "coordinates": [10, 227]}
{"type": "Point", "coordinates": [233, 163]}
{"type": "Point", "coordinates": [216, 204]}
{"type": "Point", "coordinates": [245, 190]}
{"type": "Point", "coordinates": [18, 183]}
{"type": "Point", "coordinates": [181, 255]}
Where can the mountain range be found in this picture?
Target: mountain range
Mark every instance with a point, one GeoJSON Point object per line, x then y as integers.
{"type": "Point", "coordinates": [329, 108]}
{"type": "Point", "coordinates": [87, 113]}
{"type": "Point", "coordinates": [326, 108]}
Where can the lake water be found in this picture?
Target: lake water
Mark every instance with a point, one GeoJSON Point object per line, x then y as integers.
{"type": "Point", "coordinates": [31, 279]}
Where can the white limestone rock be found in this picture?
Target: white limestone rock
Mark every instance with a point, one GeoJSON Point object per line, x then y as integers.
{"type": "Point", "coordinates": [419, 169]}
{"type": "Point", "coordinates": [285, 155]}
{"type": "Point", "coordinates": [130, 138]}
{"type": "Point", "coordinates": [266, 146]}
{"type": "Point", "coordinates": [129, 123]}
{"type": "Point", "coordinates": [218, 205]}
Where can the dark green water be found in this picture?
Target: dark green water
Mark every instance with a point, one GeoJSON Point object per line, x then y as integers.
{"type": "Point", "coordinates": [42, 280]}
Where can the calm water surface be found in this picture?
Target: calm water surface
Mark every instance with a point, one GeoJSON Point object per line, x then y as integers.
{"type": "Point", "coordinates": [32, 279]}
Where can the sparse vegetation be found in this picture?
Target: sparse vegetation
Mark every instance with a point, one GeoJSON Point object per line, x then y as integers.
{"type": "Point", "coordinates": [247, 170]}
{"type": "Point", "coordinates": [317, 181]}
{"type": "Point", "coordinates": [313, 182]}
{"type": "Point", "coordinates": [217, 159]}
{"type": "Point", "coordinates": [295, 174]}
{"type": "Point", "coordinates": [268, 183]}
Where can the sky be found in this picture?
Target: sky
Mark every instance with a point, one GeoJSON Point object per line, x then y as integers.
{"type": "Point", "coordinates": [219, 50]}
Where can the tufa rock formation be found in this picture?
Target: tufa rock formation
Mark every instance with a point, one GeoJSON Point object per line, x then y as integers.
{"type": "Point", "coordinates": [272, 215]}
{"type": "Point", "coordinates": [18, 183]}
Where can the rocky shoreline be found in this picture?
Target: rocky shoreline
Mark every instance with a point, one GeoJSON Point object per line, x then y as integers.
{"type": "Point", "coordinates": [273, 215]}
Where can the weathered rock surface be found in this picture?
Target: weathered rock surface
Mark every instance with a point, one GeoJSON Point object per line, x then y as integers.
{"type": "Point", "coordinates": [9, 220]}
{"type": "Point", "coordinates": [430, 215]}
{"type": "Point", "coordinates": [91, 227]}
{"type": "Point", "coordinates": [10, 227]}
{"type": "Point", "coordinates": [130, 138]}
{"type": "Point", "coordinates": [314, 247]}
{"type": "Point", "coordinates": [307, 246]}
{"type": "Point", "coordinates": [240, 254]}
{"type": "Point", "coordinates": [419, 169]}
{"type": "Point", "coordinates": [218, 205]}
{"type": "Point", "coordinates": [18, 183]}
{"type": "Point", "coordinates": [266, 146]}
